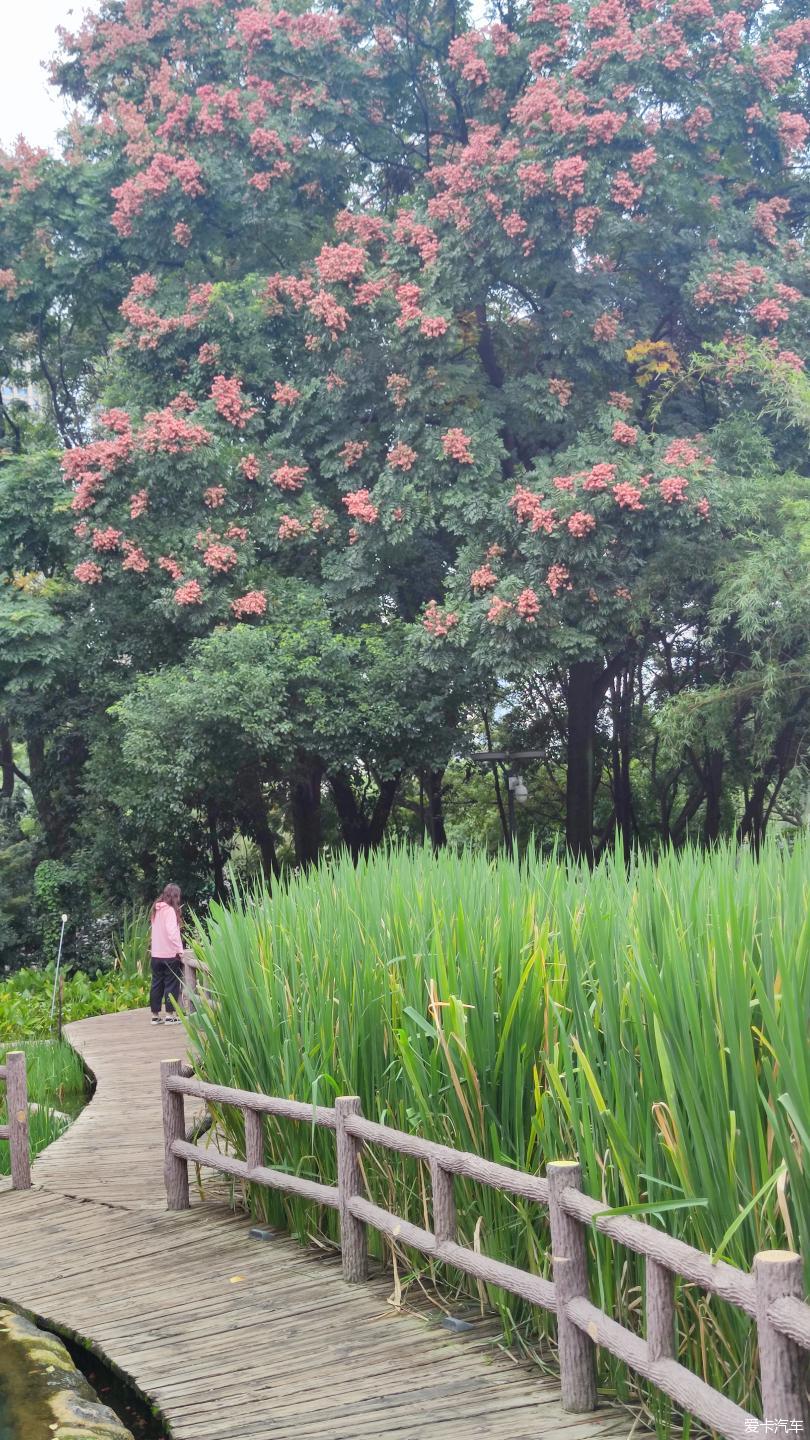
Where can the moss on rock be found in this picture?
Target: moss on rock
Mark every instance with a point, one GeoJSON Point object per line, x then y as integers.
{"type": "Point", "coordinates": [43, 1385]}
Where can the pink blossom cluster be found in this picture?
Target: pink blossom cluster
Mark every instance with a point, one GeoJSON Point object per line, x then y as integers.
{"type": "Point", "coordinates": [334, 317]}
{"type": "Point", "coordinates": [770, 314]}
{"type": "Point", "coordinates": [104, 540]}
{"type": "Point", "coordinates": [599, 477]}
{"type": "Point", "coordinates": [208, 354]}
{"type": "Point", "coordinates": [456, 446]}
{"type": "Point", "coordinates": [439, 622]}
{"type": "Point", "coordinates": [253, 603]}
{"type": "Point", "coordinates": [289, 477]}
{"type": "Point", "coordinates": [793, 131]}
{"type": "Point", "coordinates": [219, 557]}
{"type": "Point", "coordinates": [285, 394]}
{"type": "Point", "coordinates": [86, 467]}
{"type": "Point", "coordinates": [620, 400]}
{"type": "Point", "coordinates": [229, 402]}
{"type": "Point", "coordinates": [343, 262]}
{"type": "Point", "coordinates": [527, 605]}
{"type": "Point", "coordinates": [290, 528]}
{"type": "Point", "coordinates": [352, 452]}
{"type": "Point", "coordinates": [249, 467]}
{"type": "Point", "coordinates": [585, 217]}
{"type": "Point", "coordinates": [673, 489]}
{"type": "Point", "coordinates": [410, 231]}
{"type": "Point", "coordinates": [498, 610]}
{"type": "Point", "coordinates": [557, 579]}
{"type": "Point", "coordinates": [152, 182]}
{"type": "Point", "coordinates": [464, 56]}
{"type": "Point", "coordinates": [628, 497]}
{"type": "Point", "coordinates": [88, 573]}
{"type": "Point", "coordinates": [729, 286]}
{"type": "Point", "coordinates": [214, 496]}
{"type": "Point", "coordinates": [624, 434]}
{"type": "Point", "coordinates": [606, 326]}
{"type": "Point", "coordinates": [625, 191]}
{"type": "Point", "coordinates": [562, 390]}
{"type": "Point", "coordinates": [360, 506]}
{"type": "Point", "coordinates": [767, 214]}
{"type": "Point", "coordinates": [171, 566]}
{"type": "Point", "coordinates": [581, 523]}
{"type": "Point", "coordinates": [529, 506]}
{"type": "Point", "coordinates": [402, 457]}
{"type": "Point", "coordinates": [433, 326]}
{"type": "Point", "coordinates": [8, 283]}
{"type": "Point", "coordinates": [189, 594]}
{"type": "Point", "coordinates": [569, 176]}
{"type": "Point", "coordinates": [166, 432]}
{"type": "Point", "coordinates": [483, 578]}
{"type": "Point", "coordinates": [138, 504]}
{"type": "Point", "coordinates": [408, 298]}
{"type": "Point", "coordinates": [135, 559]}
{"type": "Point", "coordinates": [681, 452]}
{"type": "Point", "coordinates": [398, 387]}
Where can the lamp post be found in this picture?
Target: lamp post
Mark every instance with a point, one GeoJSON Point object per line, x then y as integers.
{"type": "Point", "coordinates": [516, 786]}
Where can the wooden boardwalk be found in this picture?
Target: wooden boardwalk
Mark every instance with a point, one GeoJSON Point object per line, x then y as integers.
{"type": "Point", "coordinates": [234, 1338]}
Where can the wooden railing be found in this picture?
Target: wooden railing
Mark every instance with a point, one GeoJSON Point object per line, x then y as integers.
{"type": "Point", "coordinates": [16, 1131]}
{"type": "Point", "coordinates": [771, 1294]}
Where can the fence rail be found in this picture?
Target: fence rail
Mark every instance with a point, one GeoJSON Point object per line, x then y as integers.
{"type": "Point", "coordinates": [16, 1131]}
{"type": "Point", "coordinates": [772, 1294]}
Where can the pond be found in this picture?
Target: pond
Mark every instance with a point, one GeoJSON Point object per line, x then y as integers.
{"type": "Point", "coordinates": [42, 1394]}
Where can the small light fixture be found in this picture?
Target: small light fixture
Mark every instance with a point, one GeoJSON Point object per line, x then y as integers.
{"type": "Point", "coordinates": [518, 787]}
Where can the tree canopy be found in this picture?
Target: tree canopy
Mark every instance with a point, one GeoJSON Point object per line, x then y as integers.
{"type": "Point", "coordinates": [417, 372]}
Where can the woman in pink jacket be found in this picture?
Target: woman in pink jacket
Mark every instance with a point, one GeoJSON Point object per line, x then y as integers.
{"type": "Point", "coordinates": [167, 964]}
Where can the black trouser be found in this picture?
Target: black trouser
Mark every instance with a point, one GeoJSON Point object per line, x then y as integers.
{"type": "Point", "coordinates": [166, 977]}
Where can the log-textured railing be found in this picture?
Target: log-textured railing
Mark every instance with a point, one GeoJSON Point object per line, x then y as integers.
{"type": "Point", "coordinates": [16, 1131]}
{"type": "Point", "coordinates": [771, 1294]}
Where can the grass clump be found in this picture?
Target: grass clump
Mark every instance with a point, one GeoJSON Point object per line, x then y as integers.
{"type": "Point", "coordinates": [650, 1019]}
{"type": "Point", "coordinates": [57, 1091]}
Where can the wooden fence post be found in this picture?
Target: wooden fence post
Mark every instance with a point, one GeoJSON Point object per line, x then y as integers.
{"type": "Point", "coordinates": [254, 1139]}
{"type": "Point", "coordinates": [17, 1098]}
{"type": "Point", "coordinates": [175, 1170]}
{"type": "Point", "coordinates": [444, 1203]}
{"type": "Point", "coordinates": [782, 1363]}
{"type": "Point", "coordinates": [569, 1260]}
{"type": "Point", "coordinates": [353, 1244]}
{"type": "Point", "coordinates": [189, 983]}
{"type": "Point", "coordinates": [659, 1300]}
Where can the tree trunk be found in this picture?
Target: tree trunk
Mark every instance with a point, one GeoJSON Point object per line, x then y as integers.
{"type": "Point", "coordinates": [217, 862]}
{"type": "Point", "coordinates": [51, 817]}
{"type": "Point", "coordinates": [582, 704]}
{"type": "Point", "coordinates": [305, 805]}
{"type": "Point", "coordinates": [6, 761]}
{"type": "Point", "coordinates": [752, 824]}
{"type": "Point", "coordinates": [360, 831]}
{"type": "Point", "coordinates": [434, 816]}
{"type": "Point", "coordinates": [713, 775]}
{"type": "Point", "coordinates": [252, 815]}
{"type": "Point", "coordinates": [622, 795]}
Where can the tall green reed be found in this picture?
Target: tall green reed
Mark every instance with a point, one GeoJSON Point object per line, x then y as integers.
{"type": "Point", "coordinates": [650, 1018]}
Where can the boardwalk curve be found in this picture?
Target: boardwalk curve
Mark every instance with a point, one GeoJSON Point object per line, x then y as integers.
{"type": "Point", "coordinates": [233, 1338]}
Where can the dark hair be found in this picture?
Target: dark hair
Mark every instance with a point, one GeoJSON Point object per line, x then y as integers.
{"type": "Point", "coordinates": [170, 896]}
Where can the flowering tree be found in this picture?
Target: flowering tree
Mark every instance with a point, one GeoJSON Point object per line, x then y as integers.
{"type": "Point", "coordinates": [402, 295]}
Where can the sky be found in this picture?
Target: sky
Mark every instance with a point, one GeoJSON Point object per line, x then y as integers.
{"type": "Point", "coordinates": [27, 105]}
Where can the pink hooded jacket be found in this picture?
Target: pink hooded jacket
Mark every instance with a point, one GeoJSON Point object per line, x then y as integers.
{"type": "Point", "coordinates": [166, 942]}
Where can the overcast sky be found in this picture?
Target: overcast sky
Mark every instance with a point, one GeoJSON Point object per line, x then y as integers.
{"type": "Point", "coordinates": [27, 106]}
